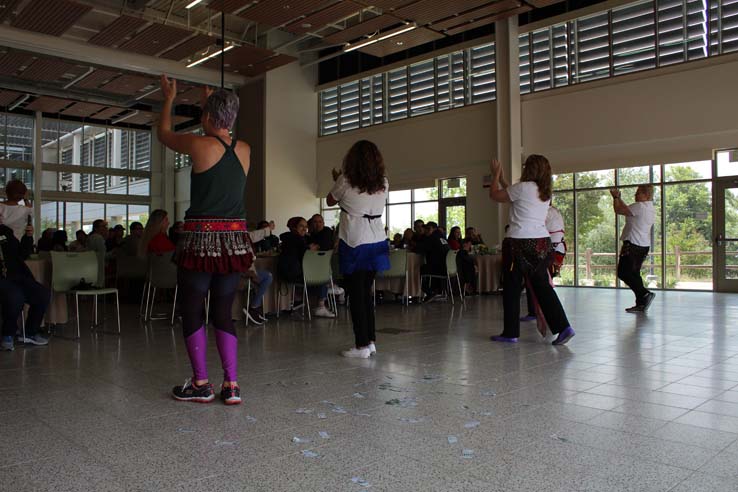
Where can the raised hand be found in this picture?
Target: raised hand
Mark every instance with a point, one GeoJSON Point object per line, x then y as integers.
{"type": "Point", "coordinates": [615, 192]}
{"type": "Point", "coordinates": [168, 88]}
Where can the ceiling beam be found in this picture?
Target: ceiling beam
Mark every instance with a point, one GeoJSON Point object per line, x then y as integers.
{"type": "Point", "coordinates": [97, 55]}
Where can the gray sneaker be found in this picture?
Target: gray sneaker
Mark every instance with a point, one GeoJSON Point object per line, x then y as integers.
{"type": "Point", "coordinates": [7, 344]}
{"type": "Point", "coordinates": [34, 340]}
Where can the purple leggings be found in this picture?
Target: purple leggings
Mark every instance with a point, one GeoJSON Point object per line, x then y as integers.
{"type": "Point", "coordinates": [193, 290]}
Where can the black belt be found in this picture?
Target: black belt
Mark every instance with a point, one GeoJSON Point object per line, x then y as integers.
{"type": "Point", "coordinates": [366, 216]}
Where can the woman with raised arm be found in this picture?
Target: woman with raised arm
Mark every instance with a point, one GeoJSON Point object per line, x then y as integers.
{"type": "Point", "coordinates": [214, 248]}
{"type": "Point", "coordinates": [526, 249]}
{"type": "Point", "coordinates": [361, 189]}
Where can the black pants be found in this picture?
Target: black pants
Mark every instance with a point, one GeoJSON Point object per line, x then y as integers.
{"type": "Point", "coordinates": [359, 289]}
{"type": "Point", "coordinates": [529, 302]}
{"type": "Point", "coordinates": [512, 286]}
{"type": "Point", "coordinates": [433, 285]}
{"type": "Point", "coordinates": [629, 269]}
{"type": "Point", "coordinates": [14, 293]}
{"type": "Point", "coordinates": [193, 289]}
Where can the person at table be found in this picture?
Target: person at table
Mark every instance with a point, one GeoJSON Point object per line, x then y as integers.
{"type": "Point", "coordinates": [636, 237]}
{"type": "Point", "coordinates": [19, 288]}
{"type": "Point", "coordinates": [454, 238]}
{"type": "Point", "coordinates": [132, 242]}
{"type": "Point", "coordinates": [293, 247]}
{"type": "Point", "coordinates": [59, 241]}
{"type": "Point", "coordinates": [96, 243]}
{"type": "Point", "coordinates": [80, 244]}
{"type": "Point", "coordinates": [155, 239]}
{"type": "Point", "coordinates": [115, 238]}
{"type": "Point", "coordinates": [13, 213]}
{"type": "Point", "coordinates": [471, 232]}
{"type": "Point", "coordinates": [435, 249]}
{"type": "Point", "coordinates": [526, 248]}
{"type": "Point", "coordinates": [467, 266]}
{"type": "Point", "coordinates": [397, 241]}
{"type": "Point", "coordinates": [46, 241]}
{"type": "Point", "coordinates": [214, 249]}
{"type": "Point", "coordinates": [418, 234]}
{"type": "Point", "coordinates": [319, 234]}
{"type": "Point", "coordinates": [269, 243]}
{"type": "Point", "coordinates": [175, 232]}
{"type": "Point", "coordinates": [360, 189]}
{"type": "Point", "coordinates": [261, 277]}
{"type": "Point", "coordinates": [407, 239]}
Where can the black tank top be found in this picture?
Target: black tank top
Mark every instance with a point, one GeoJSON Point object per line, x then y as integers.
{"type": "Point", "coordinates": [218, 192]}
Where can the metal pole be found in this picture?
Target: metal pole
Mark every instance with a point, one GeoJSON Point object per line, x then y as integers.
{"type": "Point", "coordinates": [222, 49]}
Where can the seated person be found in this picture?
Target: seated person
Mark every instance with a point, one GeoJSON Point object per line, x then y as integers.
{"type": "Point", "coordinates": [476, 238]}
{"type": "Point", "coordinates": [80, 244]}
{"type": "Point", "coordinates": [269, 243]}
{"type": "Point", "coordinates": [467, 266]}
{"type": "Point", "coordinates": [132, 242]}
{"type": "Point", "coordinates": [262, 278]}
{"type": "Point", "coordinates": [155, 239]}
{"type": "Point", "coordinates": [13, 213]}
{"type": "Point", "coordinates": [46, 241]}
{"type": "Point", "coordinates": [320, 234]}
{"type": "Point", "coordinates": [397, 241]}
{"type": "Point", "coordinates": [59, 241]}
{"type": "Point", "coordinates": [18, 287]}
{"type": "Point", "coordinates": [289, 267]}
{"type": "Point", "coordinates": [418, 234]}
{"type": "Point", "coordinates": [435, 248]}
{"type": "Point", "coordinates": [176, 231]}
{"type": "Point", "coordinates": [407, 239]}
{"type": "Point", "coordinates": [454, 238]}
{"type": "Point", "coordinates": [115, 238]}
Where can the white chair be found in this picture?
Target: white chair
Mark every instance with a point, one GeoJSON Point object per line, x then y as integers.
{"type": "Point", "coordinates": [163, 275]}
{"type": "Point", "coordinates": [451, 271]}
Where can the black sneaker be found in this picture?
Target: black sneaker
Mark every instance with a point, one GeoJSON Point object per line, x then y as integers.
{"type": "Point", "coordinates": [635, 309]}
{"type": "Point", "coordinates": [647, 300]}
{"type": "Point", "coordinates": [252, 315]}
{"type": "Point", "coordinates": [190, 392]}
{"type": "Point", "coordinates": [230, 395]}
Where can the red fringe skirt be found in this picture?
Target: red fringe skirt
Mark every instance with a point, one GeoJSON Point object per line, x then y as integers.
{"type": "Point", "coordinates": [214, 245]}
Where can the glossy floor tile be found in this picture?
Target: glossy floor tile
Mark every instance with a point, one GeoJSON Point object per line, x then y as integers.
{"type": "Point", "coordinates": [634, 402]}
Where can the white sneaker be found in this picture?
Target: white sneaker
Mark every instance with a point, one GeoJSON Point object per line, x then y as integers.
{"type": "Point", "coordinates": [341, 299]}
{"type": "Point", "coordinates": [323, 312]}
{"type": "Point", "coordinates": [372, 348]}
{"type": "Point", "coordinates": [363, 353]}
{"type": "Point", "coordinates": [338, 290]}
{"type": "Point", "coordinates": [34, 340]}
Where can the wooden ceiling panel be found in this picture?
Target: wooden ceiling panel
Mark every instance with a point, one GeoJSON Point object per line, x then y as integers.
{"type": "Point", "coordinates": [402, 42]}
{"type": "Point", "coordinates": [190, 47]}
{"type": "Point", "coordinates": [240, 58]}
{"type": "Point", "coordinates": [155, 39]}
{"type": "Point", "coordinates": [140, 118]}
{"type": "Point", "coordinates": [51, 17]}
{"type": "Point", "coordinates": [8, 97]}
{"type": "Point", "coordinates": [539, 4]}
{"type": "Point", "coordinates": [117, 31]}
{"type": "Point", "coordinates": [277, 12]}
{"type": "Point", "coordinates": [328, 15]}
{"type": "Point", "coordinates": [269, 64]}
{"type": "Point", "coordinates": [488, 20]}
{"type": "Point", "coordinates": [190, 96]}
{"type": "Point", "coordinates": [47, 104]}
{"type": "Point", "coordinates": [356, 31]}
{"type": "Point", "coordinates": [228, 6]}
{"type": "Point", "coordinates": [83, 109]}
{"type": "Point", "coordinates": [12, 61]}
{"type": "Point", "coordinates": [475, 14]}
{"type": "Point", "coordinates": [109, 113]}
{"type": "Point", "coordinates": [47, 70]}
{"type": "Point", "coordinates": [387, 5]}
{"type": "Point", "coordinates": [7, 7]}
{"type": "Point", "coordinates": [127, 84]}
{"type": "Point", "coordinates": [96, 79]}
{"type": "Point", "coordinates": [426, 11]}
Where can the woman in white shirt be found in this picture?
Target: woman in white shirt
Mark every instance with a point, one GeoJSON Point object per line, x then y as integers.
{"type": "Point", "coordinates": [527, 247]}
{"type": "Point", "coordinates": [12, 213]}
{"type": "Point", "coordinates": [636, 237]}
{"type": "Point", "coordinates": [361, 190]}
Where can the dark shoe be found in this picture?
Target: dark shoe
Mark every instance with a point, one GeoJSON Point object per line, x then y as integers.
{"type": "Point", "coordinates": [252, 316]}
{"type": "Point", "coordinates": [190, 392]}
{"type": "Point", "coordinates": [635, 309]}
{"type": "Point", "coordinates": [564, 336]}
{"type": "Point", "coordinates": [502, 339]}
{"type": "Point", "coordinates": [647, 300]}
{"type": "Point", "coordinates": [529, 317]}
{"type": "Point", "coordinates": [230, 395]}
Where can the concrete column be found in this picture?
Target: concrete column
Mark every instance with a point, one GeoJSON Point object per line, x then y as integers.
{"type": "Point", "coordinates": [251, 129]}
{"type": "Point", "coordinates": [509, 131]}
{"type": "Point", "coordinates": [38, 174]}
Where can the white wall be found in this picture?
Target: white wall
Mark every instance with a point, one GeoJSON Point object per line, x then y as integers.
{"type": "Point", "coordinates": [182, 192]}
{"type": "Point", "coordinates": [291, 130]}
{"type": "Point", "coordinates": [673, 114]}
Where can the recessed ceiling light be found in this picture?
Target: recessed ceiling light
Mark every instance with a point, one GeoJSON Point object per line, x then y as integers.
{"type": "Point", "coordinates": [193, 3]}
{"type": "Point", "coordinates": [286, 7]}
{"type": "Point", "coordinates": [400, 43]}
{"type": "Point", "coordinates": [307, 25]}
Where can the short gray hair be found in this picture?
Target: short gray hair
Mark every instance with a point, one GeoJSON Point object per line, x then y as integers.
{"type": "Point", "coordinates": [222, 108]}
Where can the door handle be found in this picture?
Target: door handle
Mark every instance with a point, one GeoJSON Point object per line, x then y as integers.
{"type": "Point", "coordinates": [719, 240]}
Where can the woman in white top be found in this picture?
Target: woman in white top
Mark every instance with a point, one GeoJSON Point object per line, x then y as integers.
{"type": "Point", "coordinates": [12, 213]}
{"type": "Point", "coordinates": [361, 190]}
{"type": "Point", "coordinates": [636, 237]}
{"type": "Point", "coordinates": [527, 247]}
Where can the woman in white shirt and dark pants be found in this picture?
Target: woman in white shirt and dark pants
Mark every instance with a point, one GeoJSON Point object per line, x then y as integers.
{"type": "Point", "coordinates": [526, 250]}
{"type": "Point", "coordinates": [361, 190]}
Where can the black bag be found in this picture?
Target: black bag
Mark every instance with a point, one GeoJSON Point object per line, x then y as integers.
{"type": "Point", "coordinates": [82, 285]}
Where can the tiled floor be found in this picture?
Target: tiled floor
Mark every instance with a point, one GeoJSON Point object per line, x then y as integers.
{"type": "Point", "coordinates": [634, 403]}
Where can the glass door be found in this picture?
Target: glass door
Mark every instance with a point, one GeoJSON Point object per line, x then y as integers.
{"type": "Point", "coordinates": [726, 235]}
{"type": "Point", "coordinates": [452, 212]}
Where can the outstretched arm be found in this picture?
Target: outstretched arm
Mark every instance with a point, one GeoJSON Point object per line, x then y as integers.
{"type": "Point", "coordinates": [618, 204]}
{"type": "Point", "coordinates": [496, 193]}
{"type": "Point", "coordinates": [178, 142]}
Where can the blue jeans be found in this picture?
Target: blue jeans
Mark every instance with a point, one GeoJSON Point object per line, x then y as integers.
{"type": "Point", "coordinates": [264, 280]}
